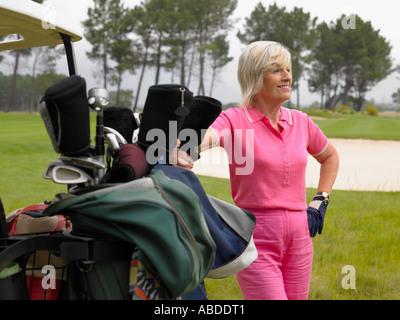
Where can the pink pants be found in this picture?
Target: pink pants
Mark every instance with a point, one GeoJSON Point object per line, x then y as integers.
{"type": "Point", "coordinates": [285, 250]}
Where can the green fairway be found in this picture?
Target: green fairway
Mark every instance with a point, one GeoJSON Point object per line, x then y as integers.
{"type": "Point", "coordinates": [361, 127]}
{"type": "Point", "coordinates": [25, 151]}
{"type": "Point", "coordinates": [361, 228]}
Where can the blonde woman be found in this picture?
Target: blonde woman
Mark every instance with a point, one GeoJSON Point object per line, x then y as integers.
{"type": "Point", "coordinates": [276, 141]}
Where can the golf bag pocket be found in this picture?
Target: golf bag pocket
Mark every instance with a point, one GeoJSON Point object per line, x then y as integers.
{"type": "Point", "coordinates": [65, 113]}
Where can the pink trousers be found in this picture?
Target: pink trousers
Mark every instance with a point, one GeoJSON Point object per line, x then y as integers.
{"type": "Point", "coordinates": [285, 251]}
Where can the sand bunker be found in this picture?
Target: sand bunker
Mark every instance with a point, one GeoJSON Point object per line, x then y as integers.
{"type": "Point", "coordinates": [365, 165]}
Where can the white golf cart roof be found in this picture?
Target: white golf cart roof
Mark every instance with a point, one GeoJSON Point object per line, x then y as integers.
{"type": "Point", "coordinates": [37, 24]}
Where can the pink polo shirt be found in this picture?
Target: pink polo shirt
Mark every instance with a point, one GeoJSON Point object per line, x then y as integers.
{"type": "Point", "coordinates": [267, 167]}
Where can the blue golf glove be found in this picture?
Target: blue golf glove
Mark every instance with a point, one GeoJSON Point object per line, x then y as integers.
{"type": "Point", "coordinates": [316, 213]}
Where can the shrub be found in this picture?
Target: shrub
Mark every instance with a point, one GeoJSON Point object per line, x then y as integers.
{"type": "Point", "coordinates": [371, 111]}
{"type": "Point", "coordinates": [346, 110]}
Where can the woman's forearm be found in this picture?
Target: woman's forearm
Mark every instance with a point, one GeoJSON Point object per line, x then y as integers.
{"type": "Point", "coordinates": [329, 161]}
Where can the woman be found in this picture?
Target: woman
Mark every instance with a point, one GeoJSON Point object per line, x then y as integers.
{"type": "Point", "coordinates": [271, 181]}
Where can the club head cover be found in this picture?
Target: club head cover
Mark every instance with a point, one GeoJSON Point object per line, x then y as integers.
{"type": "Point", "coordinates": [65, 112]}
{"type": "Point", "coordinates": [121, 119]}
{"type": "Point", "coordinates": [165, 109]}
{"type": "Point", "coordinates": [203, 112]}
{"type": "Point", "coordinates": [130, 164]}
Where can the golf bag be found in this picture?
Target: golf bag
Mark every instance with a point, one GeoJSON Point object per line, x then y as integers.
{"type": "Point", "coordinates": [161, 216]}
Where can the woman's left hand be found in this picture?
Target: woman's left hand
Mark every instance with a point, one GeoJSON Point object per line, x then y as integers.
{"type": "Point", "coordinates": [316, 215]}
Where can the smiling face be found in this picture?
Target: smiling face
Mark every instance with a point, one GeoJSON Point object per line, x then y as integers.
{"type": "Point", "coordinates": [264, 73]}
{"type": "Point", "coordinates": [277, 85]}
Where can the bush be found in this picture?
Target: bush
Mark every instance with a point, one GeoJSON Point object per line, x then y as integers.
{"type": "Point", "coordinates": [346, 110]}
{"type": "Point", "coordinates": [371, 111]}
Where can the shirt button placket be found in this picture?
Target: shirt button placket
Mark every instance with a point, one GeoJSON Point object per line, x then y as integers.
{"type": "Point", "coordinates": [286, 162]}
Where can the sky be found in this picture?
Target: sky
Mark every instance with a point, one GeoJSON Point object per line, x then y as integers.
{"type": "Point", "coordinates": [383, 14]}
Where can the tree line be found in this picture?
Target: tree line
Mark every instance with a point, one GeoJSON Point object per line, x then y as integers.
{"type": "Point", "coordinates": [341, 60]}
{"type": "Point", "coordinates": [183, 37]}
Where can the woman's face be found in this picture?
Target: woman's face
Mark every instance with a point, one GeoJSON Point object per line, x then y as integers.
{"type": "Point", "coordinates": [277, 84]}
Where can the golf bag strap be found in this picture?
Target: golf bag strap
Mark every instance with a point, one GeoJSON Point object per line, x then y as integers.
{"type": "Point", "coordinates": [67, 248]}
{"type": "Point", "coordinates": [29, 245]}
{"type": "Point", "coordinates": [96, 250]}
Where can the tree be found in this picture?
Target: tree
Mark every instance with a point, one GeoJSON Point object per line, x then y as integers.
{"type": "Point", "coordinates": [296, 30]}
{"type": "Point", "coordinates": [107, 29]}
{"type": "Point", "coordinates": [374, 66]}
{"type": "Point", "coordinates": [324, 76]}
{"type": "Point", "coordinates": [162, 15]}
{"type": "Point", "coordinates": [17, 54]}
{"type": "Point", "coordinates": [211, 18]}
{"type": "Point", "coordinates": [219, 54]}
{"type": "Point", "coordinates": [396, 95]}
{"type": "Point", "coordinates": [143, 27]}
{"type": "Point", "coordinates": [181, 35]}
{"type": "Point", "coordinates": [348, 61]}
{"type": "Point", "coordinates": [121, 46]}
{"type": "Point", "coordinates": [97, 32]}
{"type": "Point", "coordinates": [44, 61]}
{"type": "Point", "coordinates": [301, 36]}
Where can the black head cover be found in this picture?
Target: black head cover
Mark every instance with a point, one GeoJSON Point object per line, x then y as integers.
{"type": "Point", "coordinates": [203, 112]}
{"type": "Point", "coordinates": [122, 120]}
{"type": "Point", "coordinates": [66, 116]}
{"type": "Point", "coordinates": [165, 109]}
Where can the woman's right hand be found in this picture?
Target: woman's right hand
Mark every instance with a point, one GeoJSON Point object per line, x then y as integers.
{"type": "Point", "coordinates": [179, 158]}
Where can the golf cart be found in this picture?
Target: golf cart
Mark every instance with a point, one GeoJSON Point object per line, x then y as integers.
{"type": "Point", "coordinates": [120, 210]}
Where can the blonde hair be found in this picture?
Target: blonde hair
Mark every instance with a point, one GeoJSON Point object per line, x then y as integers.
{"type": "Point", "coordinates": [258, 58]}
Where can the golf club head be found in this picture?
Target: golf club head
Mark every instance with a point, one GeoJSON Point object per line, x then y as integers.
{"type": "Point", "coordinates": [112, 143]}
{"type": "Point", "coordinates": [83, 162]}
{"type": "Point", "coordinates": [48, 172]}
{"type": "Point", "coordinates": [118, 136]}
{"type": "Point", "coordinates": [65, 174]}
{"type": "Point", "coordinates": [99, 99]}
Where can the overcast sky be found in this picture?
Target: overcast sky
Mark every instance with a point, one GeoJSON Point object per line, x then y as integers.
{"type": "Point", "coordinates": [384, 15]}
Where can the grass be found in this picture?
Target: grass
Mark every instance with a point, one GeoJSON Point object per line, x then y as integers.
{"type": "Point", "coordinates": [359, 126]}
{"type": "Point", "coordinates": [361, 228]}
{"type": "Point", "coordinates": [25, 151]}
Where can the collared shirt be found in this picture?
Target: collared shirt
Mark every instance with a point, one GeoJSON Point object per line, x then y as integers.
{"type": "Point", "coordinates": [267, 167]}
